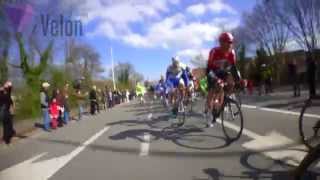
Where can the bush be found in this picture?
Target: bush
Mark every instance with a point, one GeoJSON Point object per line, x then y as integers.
{"type": "Point", "coordinates": [27, 104]}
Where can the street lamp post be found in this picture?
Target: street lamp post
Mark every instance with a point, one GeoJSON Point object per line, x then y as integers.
{"type": "Point", "coordinates": [112, 69]}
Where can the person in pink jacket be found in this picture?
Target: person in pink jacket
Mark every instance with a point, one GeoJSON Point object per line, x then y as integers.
{"type": "Point", "coordinates": [54, 113]}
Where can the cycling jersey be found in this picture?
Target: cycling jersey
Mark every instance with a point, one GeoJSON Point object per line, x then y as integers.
{"type": "Point", "coordinates": [174, 71]}
{"type": "Point", "coordinates": [177, 75]}
{"type": "Point", "coordinates": [140, 90]}
{"type": "Point", "coordinates": [219, 60]}
{"type": "Point", "coordinates": [161, 87]}
{"type": "Point", "coordinates": [219, 65]}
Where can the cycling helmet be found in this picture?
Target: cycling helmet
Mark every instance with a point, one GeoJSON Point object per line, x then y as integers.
{"type": "Point", "coordinates": [175, 60]}
{"type": "Point", "coordinates": [226, 37]}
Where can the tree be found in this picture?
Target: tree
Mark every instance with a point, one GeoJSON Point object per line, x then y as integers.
{"type": "Point", "coordinates": [199, 61]}
{"type": "Point", "coordinates": [4, 48]}
{"type": "Point", "coordinates": [241, 60]}
{"type": "Point", "coordinates": [126, 75]}
{"type": "Point", "coordinates": [242, 37]}
{"type": "Point", "coordinates": [266, 29]}
{"type": "Point", "coordinates": [261, 57]}
{"type": "Point", "coordinates": [32, 74]}
{"type": "Point", "coordinates": [302, 18]}
{"type": "Point", "coordinates": [82, 60]}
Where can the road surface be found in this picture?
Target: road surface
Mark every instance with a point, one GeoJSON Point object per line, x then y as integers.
{"type": "Point", "coordinates": [127, 143]}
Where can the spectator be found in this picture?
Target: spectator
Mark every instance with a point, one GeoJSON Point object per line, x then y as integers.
{"type": "Point", "coordinates": [123, 96]}
{"type": "Point", "coordinates": [44, 100]}
{"type": "Point", "coordinates": [93, 100]}
{"type": "Point", "coordinates": [109, 98]}
{"type": "Point", "coordinates": [119, 96]}
{"type": "Point", "coordinates": [60, 103]}
{"type": "Point", "coordinates": [1, 102]}
{"type": "Point", "coordinates": [258, 82]}
{"type": "Point", "coordinates": [293, 78]}
{"type": "Point", "coordinates": [132, 94]}
{"type": "Point", "coordinates": [268, 82]}
{"type": "Point", "coordinates": [54, 112]}
{"type": "Point", "coordinates": [115, 98]}
{"type": "Point", "coordinates": [311, 74]}
{"type": "Point", "coordinates": [7, 113]}
{"type": "Point", "coordinates": [127, 96]}
{"type": "Point", "coordinates": [80, 102]}
{"type": "Point", "coordinates": [103, 99]}
{"type": "Point", "coordinates": [250, 87]}
{"type": "Point", "coordinates": [66, 104]}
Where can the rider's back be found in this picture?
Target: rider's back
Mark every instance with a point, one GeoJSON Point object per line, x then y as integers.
{"type": "Point", "coordinates": [219, 59]}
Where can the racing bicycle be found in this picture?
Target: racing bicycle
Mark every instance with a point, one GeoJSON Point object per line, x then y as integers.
{"type": "Point", "coordinates": [309, 123]}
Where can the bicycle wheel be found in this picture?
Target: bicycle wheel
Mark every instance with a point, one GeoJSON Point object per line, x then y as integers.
{"type": "Point", "coordinates": [232, 119]}
{"type": "Point", "coordinates": [309, 124]}
{"type": "Point", "coordinates": [308, 168]}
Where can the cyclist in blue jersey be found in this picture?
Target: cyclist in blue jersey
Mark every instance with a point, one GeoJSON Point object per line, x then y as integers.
{"type": "Point", "coordinates": [177, 78]}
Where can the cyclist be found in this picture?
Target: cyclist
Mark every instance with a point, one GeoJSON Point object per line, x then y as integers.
{"type": "Point", "coordinates": [160, 88]}
{"type": "Point", "coordinates": [221, 69]}
{"type": "Point", "coordinates": [177, 78]}
{"type": "Point", "coordinates": [140, 91]}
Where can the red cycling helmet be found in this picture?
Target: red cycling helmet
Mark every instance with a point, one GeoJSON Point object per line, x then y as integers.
{"type": "Point", "coordinates": [226, 37]}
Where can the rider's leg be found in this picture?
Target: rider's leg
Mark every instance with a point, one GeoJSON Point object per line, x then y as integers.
{"type": "Point", "coordinates": [174, 100]}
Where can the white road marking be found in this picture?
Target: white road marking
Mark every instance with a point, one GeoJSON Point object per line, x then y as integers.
{"type": "Point", "coordinates": [43, 170]}
{"type": "Point", "coordinates": [145, 146]}
{"type": "Point", "coordinates": [280, 111]}
{"type": "Point", "coordinates": [292, 156]}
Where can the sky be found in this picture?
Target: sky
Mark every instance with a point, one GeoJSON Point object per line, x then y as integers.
{"type": "Point", "coordinates": [147, 33]}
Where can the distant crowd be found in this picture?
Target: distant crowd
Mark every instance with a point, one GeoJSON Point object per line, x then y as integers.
{"type": "Point", "coordinates": [56, 109]}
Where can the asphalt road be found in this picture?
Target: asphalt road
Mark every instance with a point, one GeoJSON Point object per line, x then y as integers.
{"type": "Point", "coordinates": [128, 143]}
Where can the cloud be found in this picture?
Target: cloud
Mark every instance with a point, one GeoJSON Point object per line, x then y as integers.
{"type": "Point", "coordinates": [194, 57]}
{"type": "Point", "coordinates": [214, 6]}
{"type": "Point", "coordinates": [197, 9]}
{"type": "Point", "coordinates": [191, 53]}
{"type": "Point", "coordinates": [176, 33]}
{"type": "Point", "coordinates": [159, 26]}
{"type": "Point", "coordinates": [217, 6]}
{"type": "Point", "coordinates": [121, 14]}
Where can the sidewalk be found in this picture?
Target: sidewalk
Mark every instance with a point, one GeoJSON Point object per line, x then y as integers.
{"type": "Point", "coordinates": [24, 128]}
{"type": "Point", "coordinates": [278, 99]}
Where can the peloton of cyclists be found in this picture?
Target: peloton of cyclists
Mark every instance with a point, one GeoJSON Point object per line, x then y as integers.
{"type": "Point", "coordinates": [221, 71]}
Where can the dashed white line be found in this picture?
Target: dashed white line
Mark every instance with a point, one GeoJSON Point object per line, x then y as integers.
{"type": "Point", "coordinates": [145, 146]}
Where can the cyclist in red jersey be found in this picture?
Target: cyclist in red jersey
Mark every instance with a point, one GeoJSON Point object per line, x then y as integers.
{"type": "Point", "coordinates": [221, 68]}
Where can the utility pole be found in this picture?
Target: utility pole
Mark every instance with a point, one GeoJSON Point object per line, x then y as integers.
{"type": "Point", "coordinates": [112, 68]}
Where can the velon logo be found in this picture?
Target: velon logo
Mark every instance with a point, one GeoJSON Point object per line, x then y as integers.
{"type": "Point", "coordinates": [19, 14]}
{"type": "Point", "coordinates": [60, 26]}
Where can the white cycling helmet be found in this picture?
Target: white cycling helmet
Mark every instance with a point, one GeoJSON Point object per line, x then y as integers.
{"type": "Point", "coordinates": [175, 59]}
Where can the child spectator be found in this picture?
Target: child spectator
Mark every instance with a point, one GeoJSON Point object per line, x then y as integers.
{"type": "Point", "coordinates": [54, 113]}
